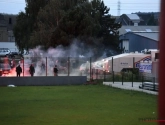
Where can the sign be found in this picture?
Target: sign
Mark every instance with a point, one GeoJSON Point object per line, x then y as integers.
{"type": "Point", "coordinates": [124, 64]}
{"type": "Point", "coordinates": [145, 67]}
{"type": "Point", "coordinates": [137, 64]}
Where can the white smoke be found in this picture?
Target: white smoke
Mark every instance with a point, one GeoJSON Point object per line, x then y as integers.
{"type": "Point", "coordinates": [76, 49]}
{"type": "Point", "coordinates": [76, 54]}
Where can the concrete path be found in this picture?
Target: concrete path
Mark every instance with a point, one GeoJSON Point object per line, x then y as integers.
{"type": "Point", "coordinates": [128, 86]}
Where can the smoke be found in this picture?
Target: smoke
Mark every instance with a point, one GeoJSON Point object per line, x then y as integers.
{"type": "Point", "coordinates": [71, 57]}
{"type": "Point", "coordinates": [68, 59]}
{"type": "Point", "coordinates": [76, 49]}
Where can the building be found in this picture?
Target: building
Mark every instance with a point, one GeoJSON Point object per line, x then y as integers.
{"type": "Point", "coordinates": [129, 19]}
{"type": "Point", "coordinates": [7, 22]}
{"type": "Point", "coordinates": [3, 29]}
{"type": "Point", "coordinates": [7, 39]}
{"type": "Point", "coordinates": [139, 19]}
{"type": "Point", "coordinates": [138, 38]}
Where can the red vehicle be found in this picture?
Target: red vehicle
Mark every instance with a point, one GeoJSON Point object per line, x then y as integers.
{"type": "Point", "coordinates": [4, 69]}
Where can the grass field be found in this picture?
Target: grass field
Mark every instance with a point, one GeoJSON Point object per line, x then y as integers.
{"type": "Point", "coordinates": [75, 105]}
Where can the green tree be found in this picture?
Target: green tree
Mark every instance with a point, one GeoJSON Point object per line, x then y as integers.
{"type": "Point", "coordinates": [58, 22]}
{"type": "Point", "coordinates": [59, 27]}
{"type": "Point", "coordinates": [26, 22]}
{"type": "Point", "coordinates": [109, 28]}
{"type": "Point", "coordinates": [21, 30]}
{"type": "Point", "coordinates": [47, 20]}
{"type": "Point", "coordinates": [151, 21]}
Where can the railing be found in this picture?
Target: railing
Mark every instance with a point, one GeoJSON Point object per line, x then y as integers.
{"type": "Point", "coordinates": [147, 82]}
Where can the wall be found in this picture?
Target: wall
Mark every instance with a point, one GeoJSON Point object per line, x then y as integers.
{"type": "Point", "coordinates": [43, 81]}
{"type": "Point", "coordinates": [3, 34]}
{"type": "Point", "coordinates": [139, 43]}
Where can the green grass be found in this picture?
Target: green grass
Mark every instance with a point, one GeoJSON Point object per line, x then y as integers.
{"type": "Point", "coordinates": [75, 105]}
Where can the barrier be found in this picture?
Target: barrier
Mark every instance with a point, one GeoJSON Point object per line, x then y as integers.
{"type": "Point", "coordinates": [43, 81]}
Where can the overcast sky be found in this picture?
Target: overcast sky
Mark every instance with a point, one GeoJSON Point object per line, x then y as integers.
{"type": "Point", "coordinates": [126, 6]}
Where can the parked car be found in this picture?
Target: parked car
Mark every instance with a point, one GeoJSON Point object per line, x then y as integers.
{"type": "Point", "coordinates": [4, 68]}
{"type": "Point", "coordinates": [15, 55]}
{"type": "Point", "coordinates": [4, 52]}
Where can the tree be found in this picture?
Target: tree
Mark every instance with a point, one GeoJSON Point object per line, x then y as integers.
{"type": "Point", "coordinates": [26, 23]}
{"type": "Point", "coordinates": [59, 27]}
{"type": "Point", "coordinates": [47, 20]}
{"type": "Point", "coordinates": [58, 22]}
{"type": "Point", "coordinates": [152, 21]}
{"type": "Point", "coordinates": [109, 28]}
{"type": "Point", "coordinates": [21, 31]}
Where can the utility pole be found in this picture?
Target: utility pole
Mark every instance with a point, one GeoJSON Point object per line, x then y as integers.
{"type": "Point", "coordinates": [118, 8]}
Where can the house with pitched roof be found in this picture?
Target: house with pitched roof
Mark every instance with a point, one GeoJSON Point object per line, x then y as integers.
{"type": "Point", "coordinates": [138, 38]}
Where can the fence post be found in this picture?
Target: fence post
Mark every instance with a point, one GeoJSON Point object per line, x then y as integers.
{"type": "Point", "coordinates": [122, 78]}
{"type": "Point", "coordinates": [92, 74]}
{"type": "Point", "coordinates": [68, 66]}
{"type": "Point", "coordinates": [23, 66]}
{"type": "Point", "coordinates": [46, 67]}
{"type": "Point", "coordinates": [133, 69]}
{"type": "Point", "coordinates": [112, 71]}
{"type": "Point", "coordinates": [154, 83]}
{"type": "Point", "coordinates": [113, 77]}
{"type": "Point", "coordinates": [90, 69]}
{"type": "Point", "coordinates": [142, 81]}
{"type": "Point", "coordinates": [104, 76]}
{"type": "Point", "coordinates": [133, 63]}
{"type": "Point", "coordinates": [132, 79]}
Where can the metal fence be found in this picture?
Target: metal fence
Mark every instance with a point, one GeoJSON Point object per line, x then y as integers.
{"type": "Point", "coordinates": [77, 66]}
{"type": "Point", "coordinates": [66, 66]}
{"type": "Point", "coordinates": [147, 82]}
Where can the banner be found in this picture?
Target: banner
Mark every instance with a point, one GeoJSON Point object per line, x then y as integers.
{"type": "Point", "coordinates": [145, 67]}
{"type": "Point", "coordinates": [137, 64]}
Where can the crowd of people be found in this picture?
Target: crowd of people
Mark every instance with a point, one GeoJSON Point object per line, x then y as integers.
{"type": "Point", "coordinates": [32, 70]}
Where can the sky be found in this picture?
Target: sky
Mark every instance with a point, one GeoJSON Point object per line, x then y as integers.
{"type": "Point", "coordinates": [126, 6]}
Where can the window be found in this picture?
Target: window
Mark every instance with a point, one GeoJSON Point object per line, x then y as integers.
{"type": "Point", "coordinates": [10, 20]}
{"type": "Point", "coordinates": [148, 30]}
{"type": "Point", "coordinates": [126, 45]}
{"type": "Point", "coordinates": [128, 30]}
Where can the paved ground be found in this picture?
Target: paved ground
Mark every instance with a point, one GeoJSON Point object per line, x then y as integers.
{"type": "Point", "coordinates": [128, 86]}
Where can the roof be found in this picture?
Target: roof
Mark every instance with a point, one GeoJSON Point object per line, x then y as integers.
{"type": "Point", "coordinates": [117, 56]}
{"type": "Point", "coordinates": [125, 29]}
{"type": "Point", "coordinates": [127, 55]}
{"type": "Point", "coordinates": [133, 16]}
{"type": "Point", "coordinates": [150, 35]}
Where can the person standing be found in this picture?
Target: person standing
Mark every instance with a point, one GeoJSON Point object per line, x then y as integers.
{"type": "Point", "coordinates": [31, 70]}
{"type": "Point", "coordinates": [18, 70]}
{"type": "Point", "coordinates": [55, 71]}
